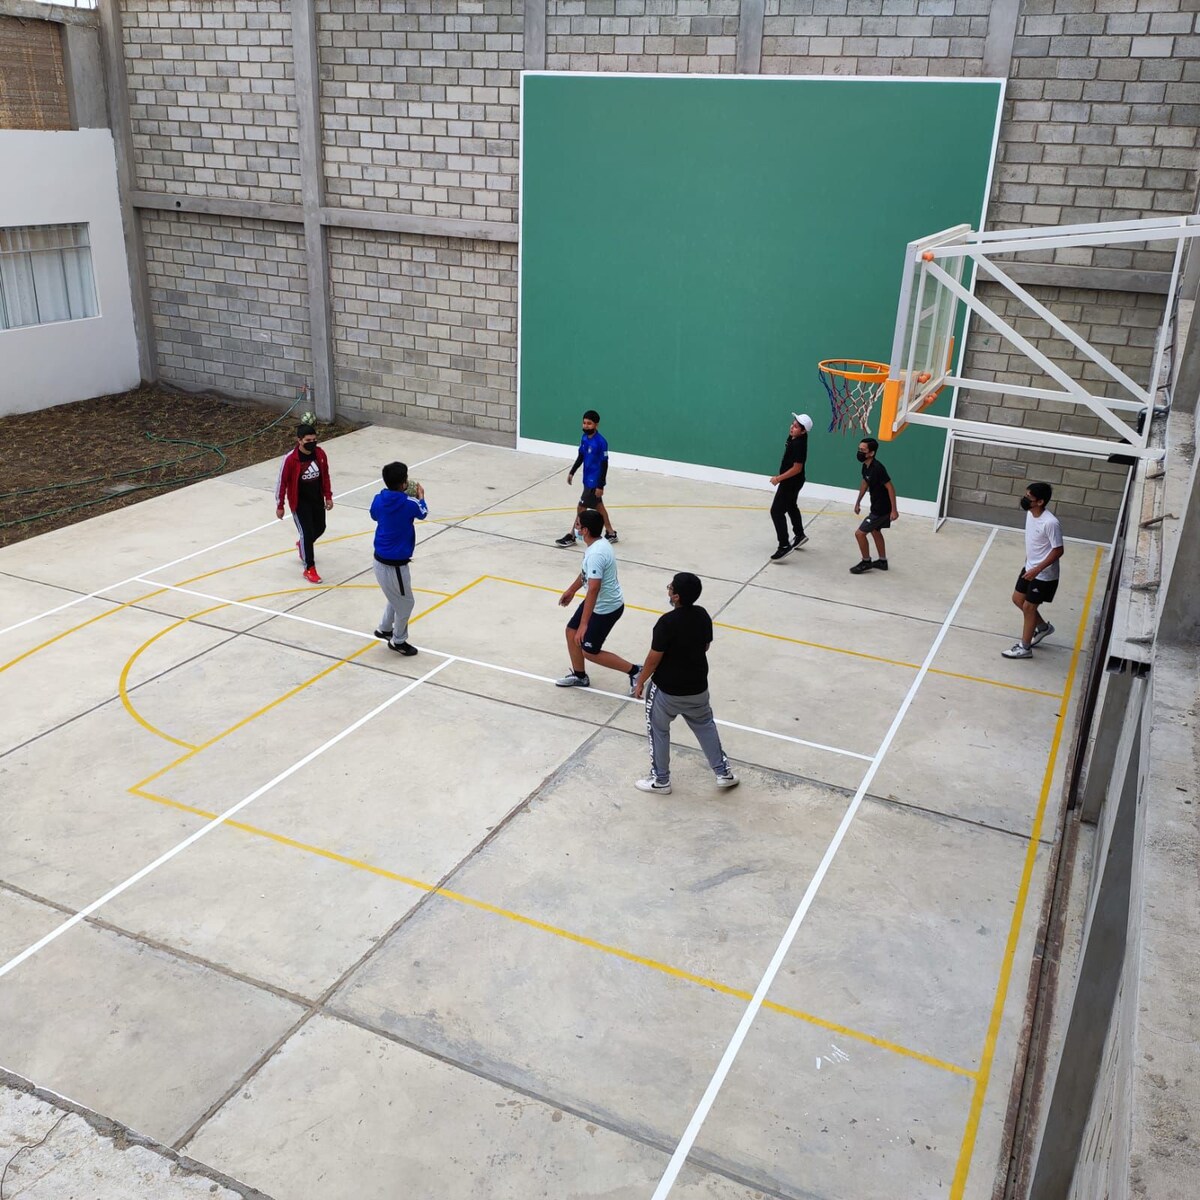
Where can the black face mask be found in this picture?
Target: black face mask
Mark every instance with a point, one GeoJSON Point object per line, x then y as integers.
{"type": "Point", "coordinates": [861, 456]}
{"type": "Point", "coordinates": [1026, 503]}
{"type": "Point", "coordinates": [305, 448]}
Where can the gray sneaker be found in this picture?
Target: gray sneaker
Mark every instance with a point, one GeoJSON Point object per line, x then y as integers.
{"type": "Point", "coordinates": [570, 679]}
{"type": "Point", "coordinates": [1040, 635]}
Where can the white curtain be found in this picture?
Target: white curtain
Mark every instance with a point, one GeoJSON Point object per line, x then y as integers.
{"type": "Point", "coordinates": [45, 275]}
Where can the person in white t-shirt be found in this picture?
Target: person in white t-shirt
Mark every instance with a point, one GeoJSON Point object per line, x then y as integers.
{"type": "Point", "coordinates": [1038, 582]}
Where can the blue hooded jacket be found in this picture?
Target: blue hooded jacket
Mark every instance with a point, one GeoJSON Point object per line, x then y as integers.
{"type": "Point", "coordinates": [394, 514]}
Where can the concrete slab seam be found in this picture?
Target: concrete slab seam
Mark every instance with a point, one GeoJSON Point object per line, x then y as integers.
{"type": "Point", "coordinates": [987, 1057]}
{"type": "Point", "coordinates": [460, 898]}
{"type": "Point", "coordinates": [683, 1149]}
{"type": "Point", "coordinates": [196, 553]}
{"type": "Point", "coordinates": [515, 671]}
{"type": "Point", "coordinates": [87, 911]}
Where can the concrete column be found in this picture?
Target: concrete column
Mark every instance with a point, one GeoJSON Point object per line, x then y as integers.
{"type": "Point", "coordinates": [1100, 969]}
{"type": "Point", "coordinates": [1002, 32]}
{"type": "Point", "coordinates": [312, 199]}
{"type": "Point", "coordinates": [113, 52]}
{"type": "Point", "coordinates": [84, 68]}
{"type": "Point", "coordinates": [749, 38]}
{"type": "Point", "coordinates": [534, 47]}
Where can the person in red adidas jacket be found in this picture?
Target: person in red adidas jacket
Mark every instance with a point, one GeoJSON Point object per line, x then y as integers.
{"type": "Point", "coordinates": [304, 483]}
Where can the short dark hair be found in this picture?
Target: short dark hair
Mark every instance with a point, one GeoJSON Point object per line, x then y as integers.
{"type": "Point", "coordinates": [304, 430]}
{"type": "Point", "coordinates": [870, 443]}
{"type": "Point", "coordinates": [1040, 491]}
{"type": "Point", "coordinates": [395, 476]}
{"type": "Point", "coordinates": [592, 415]}
{"type": "Point", "coordinates": [592, 521]}
{"type": "Point", "coordinates": [687, 587]}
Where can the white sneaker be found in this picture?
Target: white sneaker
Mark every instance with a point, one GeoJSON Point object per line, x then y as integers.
{"type": "Point", "coordinates": [1017, 650]}
{"type": "Point", "coordinates": [728, 781]}
{"type": "Point", "coordinates": [570, 679]}
{"type": "Point", "coordinates": [650, 784]}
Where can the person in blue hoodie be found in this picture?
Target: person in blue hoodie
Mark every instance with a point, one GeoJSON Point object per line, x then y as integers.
{"type": "Point", "coordinates": [393, 510]}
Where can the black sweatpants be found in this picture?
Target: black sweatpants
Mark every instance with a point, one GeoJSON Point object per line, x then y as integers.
{"type": "Point", "coordinates": [310, 524]}
{"type": "Point", "coordinates": [787, 505]}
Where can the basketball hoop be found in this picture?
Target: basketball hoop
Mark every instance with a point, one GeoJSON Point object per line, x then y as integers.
{"type": "Point", "coordinates": [854, 385]}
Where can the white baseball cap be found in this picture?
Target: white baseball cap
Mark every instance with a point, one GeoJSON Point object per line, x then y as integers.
{"type": "Point", "coordinates": [803, 420]}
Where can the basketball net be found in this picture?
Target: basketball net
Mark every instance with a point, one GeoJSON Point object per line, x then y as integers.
{"type": "Point", "coordinates": [853, 385]}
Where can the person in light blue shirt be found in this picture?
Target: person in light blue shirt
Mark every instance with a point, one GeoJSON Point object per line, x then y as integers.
{"type": "Point", "coordinates": [593, 458]}
{"type": "Point", "coordinates": [602, 607]}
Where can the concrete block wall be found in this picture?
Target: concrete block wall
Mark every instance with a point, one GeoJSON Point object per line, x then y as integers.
{"type": "Point", "coordinates": [683, 36]}
{"type": "Point", "coordinates": [419, 106]}
{"type": "Point", "coordinates": [211, 98]}
{"type": "Point", "coordinates": [425, 329]}
{"type": "Point", "coordinates": [874, 37]}
{"type": "Point", "coordinates": [229, 301]}
{"type": "Point", "coordinates": [416, 114]}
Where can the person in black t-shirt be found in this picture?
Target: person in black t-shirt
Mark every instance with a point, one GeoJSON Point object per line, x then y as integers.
{"type": "Point", "coordinates": [878, 482]}
{"type": "Point", "coordinates": [674, 680]}
{"type": "Point", "coordinates": [787, 486]}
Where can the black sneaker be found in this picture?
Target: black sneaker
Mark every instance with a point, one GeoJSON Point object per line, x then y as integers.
{"type": "Point", "coordinates": [880, 564]}
{"type": "Point", "coordinates": [612, 537]}
{"type": "Point", "coordinates": [634, 672]}
{"type": "Point", "coordinates": [799, 540]}
{"type": "Point", "coordinates": [385, 634]}
{"type": "Point", "coordinates": [782, 552]}
{"type": "Point", "coordinates": [568, 539]}
{"type": "Point", "coordinates": [405, 648]}
{"type": "Point", "coordinates": [860, 568]}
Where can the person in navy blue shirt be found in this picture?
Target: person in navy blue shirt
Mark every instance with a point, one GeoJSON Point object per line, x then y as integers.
{"type": "Point", "coordinates": [593, 458]}
{"type": "Point", "coordinates": [394, 510]}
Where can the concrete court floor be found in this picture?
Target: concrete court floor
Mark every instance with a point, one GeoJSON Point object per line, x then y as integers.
{"type": "Point", "coordinates": [445, 948]}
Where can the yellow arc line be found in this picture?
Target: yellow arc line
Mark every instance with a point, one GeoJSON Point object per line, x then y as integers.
{"type": "Point", "coordinates": [123, 682]}
{"type": "Point", "coordinates": [967, 1149]}
{"type": "Point", "coordinates": [566, 934]}
{"type": "Point", "coordinates": [286, 695]}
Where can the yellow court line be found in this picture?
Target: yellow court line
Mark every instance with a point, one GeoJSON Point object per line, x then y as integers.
{"type": "Point", "coordinates": [967, 1148]}
{"type": "Point", "coordinates": [565, 934]}
{"type": "Point", "coordinates": [12, 662]}
{"type": "Point", "coordinates": [779, 637]}
{"type": "Point", "coordinates": [123, 681]}
{"type": "Point", "coordinates": [287, 695]}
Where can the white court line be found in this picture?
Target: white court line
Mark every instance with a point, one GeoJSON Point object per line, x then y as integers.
{"type": "Point", "coordinates": [237, 537]}
{"type": "Point", "coordinates": [760, 993]}
{"type": "Point", "coordinates": [475, 662]}
{"type": "Point", "coordinates": [84, 913]}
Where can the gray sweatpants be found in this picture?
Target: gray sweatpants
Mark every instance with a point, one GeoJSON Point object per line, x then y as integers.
{"type": "Point", "coordinates": [661, 710]}
{"type": "Point", "coordinates": [397, 589]}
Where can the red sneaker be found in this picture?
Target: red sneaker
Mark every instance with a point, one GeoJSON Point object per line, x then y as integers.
{"type": "Point", "coordinates": [310, 573]}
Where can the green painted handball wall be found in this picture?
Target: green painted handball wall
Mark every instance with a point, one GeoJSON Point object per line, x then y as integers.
{"type": "Point", "coordinates": [691, 247]}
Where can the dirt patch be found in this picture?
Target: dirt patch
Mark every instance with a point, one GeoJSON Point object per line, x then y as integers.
{"type": "Point", "coordinates": [74, 461]}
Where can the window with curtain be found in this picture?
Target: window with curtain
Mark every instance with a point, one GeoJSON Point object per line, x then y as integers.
{"type": "Point", "coordinates": [45, 275]}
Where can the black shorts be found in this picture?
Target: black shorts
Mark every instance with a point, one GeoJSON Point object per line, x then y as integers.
{"type": "Point", "coordinates": [1036, 591]}
{"type": "Point", "coordinates": [588, 498]}
{"type": "Point", "coordinates": [599, 627]}
{"type": "Point", "coordinates": [874, 521]}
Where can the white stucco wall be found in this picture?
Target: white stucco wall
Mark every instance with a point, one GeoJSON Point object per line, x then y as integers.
{"type": "Point", "coordinates": [60, 178]}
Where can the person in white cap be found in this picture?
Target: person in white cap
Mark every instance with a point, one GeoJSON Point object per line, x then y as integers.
{"type": "Point", "coordinates": [787, 485]}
